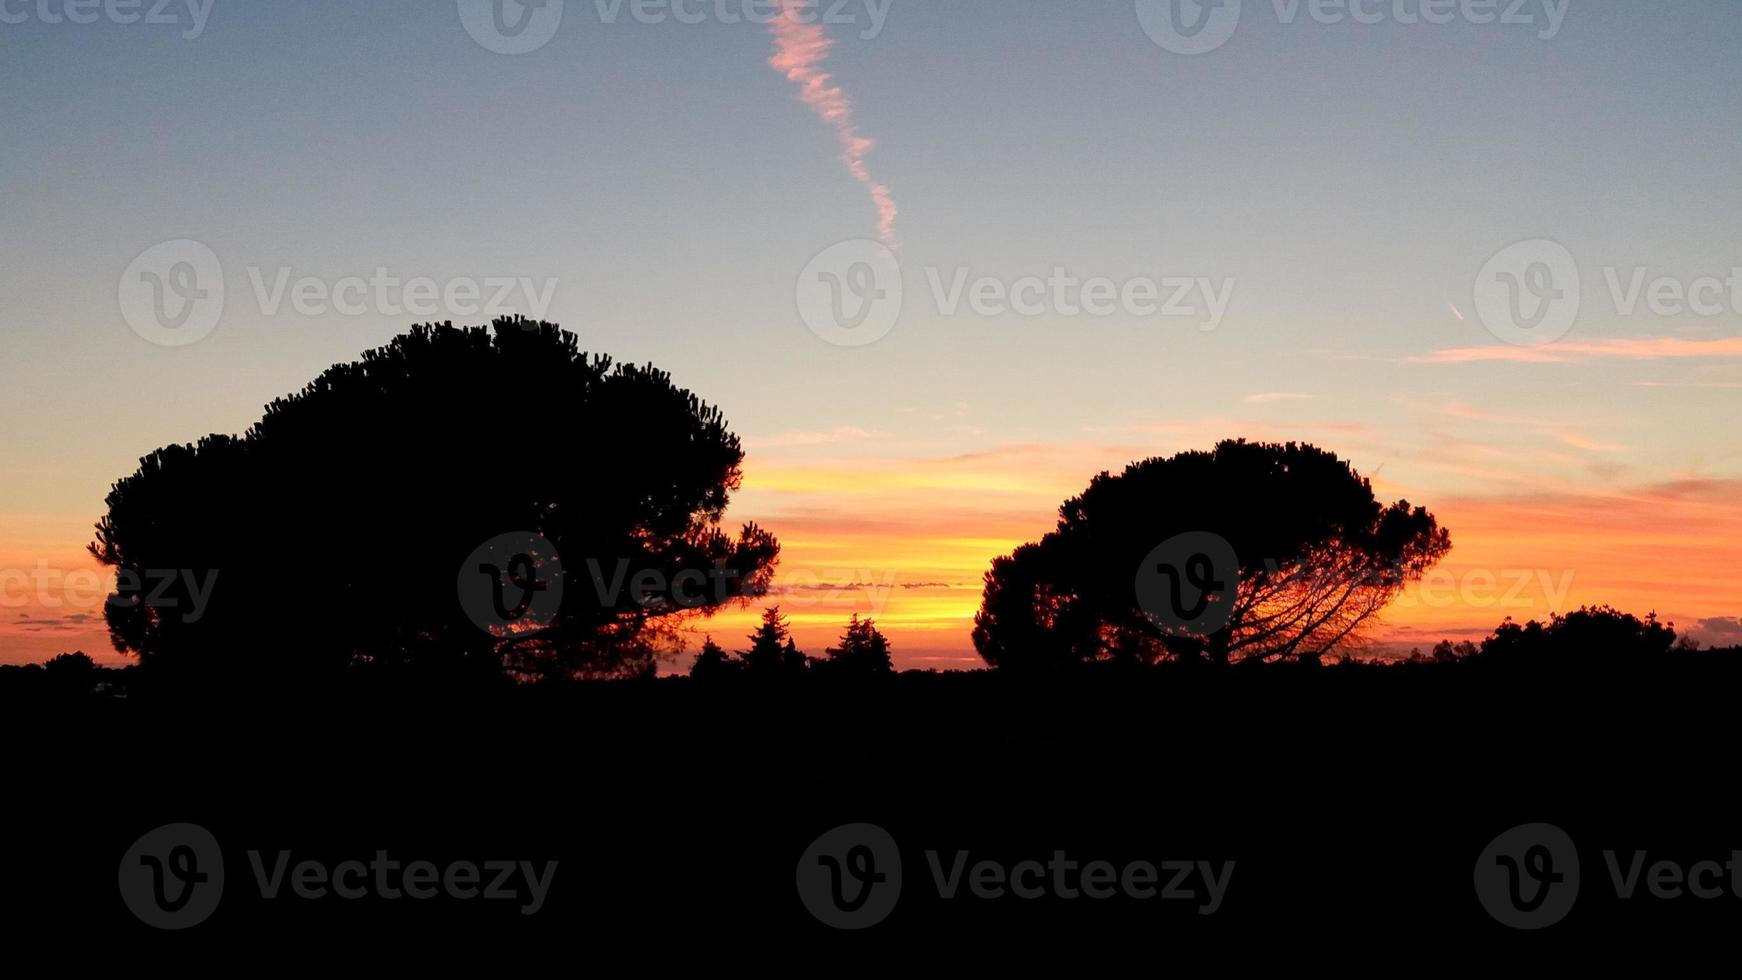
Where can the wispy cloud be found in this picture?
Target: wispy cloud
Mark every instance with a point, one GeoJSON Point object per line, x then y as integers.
{"type": "Point", "coordinates": [69, 623]}
{"type": "Point", "coordinates": [1272, 397]}
{"type": "Point", "coordinates": [1559, 431]}
{"type": "Point", "coordinates": [1688, 384]}
{"type": "Point", "coordinates": [803, 439]}
{"type": "Point", "coordinates": [800, 49]}
{"type": "Point", "coordinates": [1635, 349]}
{"type": "Point", "coordinates": [1721, 629]}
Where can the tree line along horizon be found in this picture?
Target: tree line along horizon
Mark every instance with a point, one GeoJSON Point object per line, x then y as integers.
{"type": "Point", "coordinates": [381, 475]}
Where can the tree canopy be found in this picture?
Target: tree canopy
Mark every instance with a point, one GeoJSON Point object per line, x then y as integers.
{"type": "Point", "coordinates": [863, 649]}
{"type": "Point", "coordinates": [1306, 552]}
{"type": "Point", "coordinates": [333, 531]}
{"type": "Point", "coordinates": [772, 651]}
{"type": "Point", "coordinates": [1590, 636]}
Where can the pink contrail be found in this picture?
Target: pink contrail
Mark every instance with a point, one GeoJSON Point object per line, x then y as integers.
{"type": "Point", "coordinates": [800, 48]}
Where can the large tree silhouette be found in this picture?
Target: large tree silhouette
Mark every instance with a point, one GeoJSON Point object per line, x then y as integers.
{"type": "Point", "coordinates": [1318, 556]}
{"type": "Point", "coordinates": [863, 650]}
{"type": "Point", "coordinates": [772, 651]}
{"type": "Point", "coordinates": [333, 532]}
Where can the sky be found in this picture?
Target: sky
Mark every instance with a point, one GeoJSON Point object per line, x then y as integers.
{"type": "Point", "coordinates": [1492, 264]}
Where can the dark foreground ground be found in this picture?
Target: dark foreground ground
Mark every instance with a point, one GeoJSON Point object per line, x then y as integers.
{"type": "Point", "coordinates": [1345, 813]}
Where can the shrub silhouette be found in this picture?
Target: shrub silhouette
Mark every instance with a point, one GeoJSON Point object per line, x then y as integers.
{"type": "Point", "coordinates": [1592, 636]}
{"type": "Point", "coordinates": [62, 678]}
{"type": "Point", "coordinates": [714, 663]}
{"type": "Point", "coordinates": [74, 669]}
{"type": "Point", "coordinates": [332, 533]}
{"type": "Point", "coordinates": [1318, 556]}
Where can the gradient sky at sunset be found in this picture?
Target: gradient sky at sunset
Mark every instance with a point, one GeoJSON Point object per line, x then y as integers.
{"type": "Point", "coordinates": [1350, 180]}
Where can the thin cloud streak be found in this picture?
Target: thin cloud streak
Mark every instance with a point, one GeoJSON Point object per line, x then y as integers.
{"type": "Point", "coordinates": [800, 50]}
{"type": "Point", "coordinates": [1558, 431]}
{"type": "Point", "coordinates": [1635, 349]}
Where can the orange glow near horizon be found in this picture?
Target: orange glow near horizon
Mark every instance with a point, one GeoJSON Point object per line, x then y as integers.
{"type": "Point", "coordinates": [905, 540]}
{"type": "Point", "coordinates": [909, 539]}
